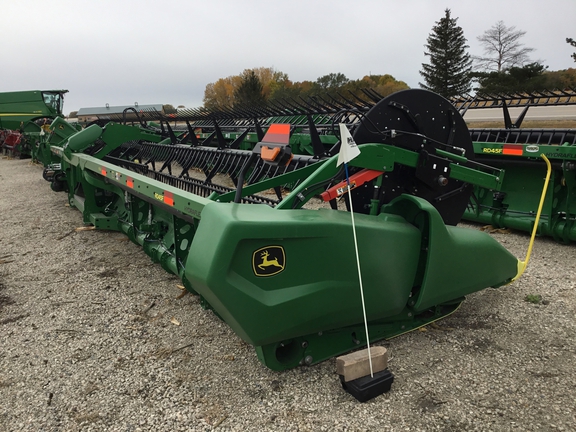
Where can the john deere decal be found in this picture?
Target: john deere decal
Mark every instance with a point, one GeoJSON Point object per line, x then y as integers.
{"type": "Point", "coordinates": [268, 261]}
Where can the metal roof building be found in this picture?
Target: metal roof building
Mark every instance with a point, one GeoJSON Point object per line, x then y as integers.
{"type": "Point", "coordinates": [94, 113]}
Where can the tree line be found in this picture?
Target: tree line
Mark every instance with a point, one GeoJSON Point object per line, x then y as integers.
{"type": "Point", "coordinates": [263, 84]}
{"type": "Point", "coordinates": [504, 67]}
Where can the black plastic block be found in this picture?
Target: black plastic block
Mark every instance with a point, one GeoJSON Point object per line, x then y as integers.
{"type": "Point", "coordinates": [367, 387]}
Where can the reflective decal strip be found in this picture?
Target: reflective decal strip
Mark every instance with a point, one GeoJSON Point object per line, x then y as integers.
{"type": "Point", "coordinates": [277, 133]}
{"type": "Point", "coordinates": [356, 180]}
{"type": "Point", "coordinates": [513, 150]}
{"type": "Point", "coordinates": [168, 198]}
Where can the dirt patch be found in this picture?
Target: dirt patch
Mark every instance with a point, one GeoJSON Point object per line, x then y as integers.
{"type": "Point", "coordinates": [5, 300]}
{"type": "Point", "coordinates": [13, 319]}
{"type": "Point", "coordinates": [108, 273]}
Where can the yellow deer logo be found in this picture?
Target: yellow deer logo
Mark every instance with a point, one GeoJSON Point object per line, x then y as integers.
{"type": "Point", "coordinates": [268, 261]}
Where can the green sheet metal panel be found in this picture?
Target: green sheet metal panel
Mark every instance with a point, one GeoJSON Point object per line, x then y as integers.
{"type": "Point", "coordinates": [316, 285]}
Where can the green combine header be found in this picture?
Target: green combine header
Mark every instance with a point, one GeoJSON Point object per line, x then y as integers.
{"type": "Point", "coordinates": [518, 151]}
{"type": "Point", "coordinates": [271, 252]}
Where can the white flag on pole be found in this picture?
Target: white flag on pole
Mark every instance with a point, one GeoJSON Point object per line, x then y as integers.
{"type": "Point", "coordinates": [348, 148]}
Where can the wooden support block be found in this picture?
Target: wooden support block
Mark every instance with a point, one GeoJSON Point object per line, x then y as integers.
{"type": "Point", "coordinates": [356, 365]}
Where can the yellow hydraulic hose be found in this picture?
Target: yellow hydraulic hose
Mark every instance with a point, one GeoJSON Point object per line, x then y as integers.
{"type": "Point", "coordinates": [523, 264]}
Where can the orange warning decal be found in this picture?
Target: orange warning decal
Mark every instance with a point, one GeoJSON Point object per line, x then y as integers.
{"type": "Point", "coordinates": [130, 182]}
{"type": "Point", "coordinates": [103, 171]}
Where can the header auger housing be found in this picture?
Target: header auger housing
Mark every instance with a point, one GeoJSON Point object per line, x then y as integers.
{"type": "Point", "coordinates": [260, 253]}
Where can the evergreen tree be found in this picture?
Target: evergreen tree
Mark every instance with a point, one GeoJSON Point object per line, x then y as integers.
{"type": "Point", "coordinates": [528, 78]}
{"type": "Point", "coordinates": [250, 90]}
{"type": "Point", "coordinates": [448, 73]}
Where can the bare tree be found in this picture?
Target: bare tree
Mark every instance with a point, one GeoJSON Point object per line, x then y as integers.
{"type": "Point", "coordinates": [502, 48]}
{"type": "Point", "coordinates": [573, 43]}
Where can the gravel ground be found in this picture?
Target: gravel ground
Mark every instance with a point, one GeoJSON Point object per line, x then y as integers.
{"type": "Point", "coordinates": [89, 340]}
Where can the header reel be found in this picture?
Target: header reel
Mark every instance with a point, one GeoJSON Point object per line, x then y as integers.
{"type": "Point", "coordinates": [426, 123]}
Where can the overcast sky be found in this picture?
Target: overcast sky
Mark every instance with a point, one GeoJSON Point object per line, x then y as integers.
{"type": "Point", "coordinates": [166, 51]}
